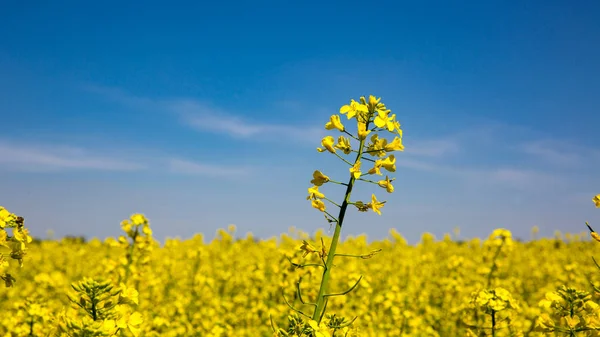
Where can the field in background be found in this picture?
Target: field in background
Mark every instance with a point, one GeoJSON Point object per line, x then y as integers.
{"type": "Point", "coordinates": [230, 287]}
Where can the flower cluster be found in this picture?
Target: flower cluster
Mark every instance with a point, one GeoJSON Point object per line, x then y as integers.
{"type": "Point", "coordinates": [371, 117]}
{"type": "Point", "coordinates": [16, 243]}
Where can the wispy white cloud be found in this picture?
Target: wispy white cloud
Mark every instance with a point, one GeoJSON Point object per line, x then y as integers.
{"type": "Point", "coordinates": [120, 96]}
{"type": "Point", "coordinates": [56, 158]}
{"type": "Point", "coordinates": [432, 148]}
{"type": "Point", "coordinates": [432, 155]}
{"type": "Point", "coordinates": [195, 168]}
{"type": "Point", "coordinates": [28, 157]}
{"type": "Point", "coordinates": [522, 178]}
{"type": "Point", "coordinates": [507, 176]}
{"type": "Point", "coordinates": [206, 118]}
{"type": "Point", "coordinates": [560, 153]}
{"type": "Point", "coordinates": [417, 164]}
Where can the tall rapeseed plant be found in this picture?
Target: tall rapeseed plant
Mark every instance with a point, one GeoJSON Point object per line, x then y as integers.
{"type": "Point", "coordinates": [371, 118]}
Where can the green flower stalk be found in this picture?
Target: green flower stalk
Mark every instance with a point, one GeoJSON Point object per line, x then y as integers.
{"type": "Point", "coordinates": [138, 243]}
{"type": "Point", "coordinates": [107, 310]}
{"type": "Point", "coordinates": [371, 117]}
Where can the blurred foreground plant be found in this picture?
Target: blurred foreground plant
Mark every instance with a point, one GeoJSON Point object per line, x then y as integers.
{"type": "Point", "coordinates": [107, 310]}
{"type": "Point", "coordinates": [16, 243]}
{"type": "Point", "coordinates": [571, 312]}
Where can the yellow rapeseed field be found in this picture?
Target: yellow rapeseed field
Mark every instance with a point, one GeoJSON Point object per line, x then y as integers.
{"type": "Point", "coordinates": [231, 287]}
{"type": "Point", "coordinates": [301, 285]}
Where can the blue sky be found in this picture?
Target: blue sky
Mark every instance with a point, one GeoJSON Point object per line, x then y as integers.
{"type": "Point", "coordinates": [202, 115]}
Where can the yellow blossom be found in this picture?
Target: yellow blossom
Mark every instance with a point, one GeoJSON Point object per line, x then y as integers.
{"type": "Point", "coordinates": [3, 237]}
{"type": "Point", "coordinates": [376, 169]}
{"type": "Point", "coordinates": [308, 248]}
{"type": "Point", "coordinates": [382, 120]}
{"type": "Point", "coordinates": [319, 330]}
{"type": "Point", "coordinates": [362, 130]}
{"type": "Point", "coordinates": [389, 163]}
{"type": "Point", "coordinates": [22, 235]}
{"type": "Point", "coordinates": [387, 184]}
{"type": "Point", "coordinates": [375, 205]}
{"type": "Point", "coordinates": [596, 200]}
{"type": "Point", "coordinates": [127, 226]}
{"type": "Point", "coordinates": [128, 295]}
{"type": "Point", "coordinates": [327, 143]}
{"type": "Point", "coordinates": [344, 144]}
{"type": "Point", "coordinates": [131, 322]}
{"type": "Point", "coordinates": [334, 123]}
{"type": "Point", "coordinates": [319, 178]}
{"type": "Point", "coordinates": [373, 102]}
{"type": "Point", "coordinates": [377, 146]}
{"type": "Point", "coordinates": [395, 145]}
{"type": "Point", "coordinates": [318, 204]}
{"type": "Point", "coordinates": [355, 170]}
{"type": "Point", "coordinates": [313, 193]}
{"type": "Point", "coordinates": [353, 108]}
{"type": "Point", "coordinates": [147, 230]}
{"type": "Point", "coordinates": [6, 217]}
{"type": "Point", "coordinates": [138, 219]}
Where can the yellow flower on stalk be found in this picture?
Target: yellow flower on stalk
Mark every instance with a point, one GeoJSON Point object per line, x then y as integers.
{"type": "Point", "coordinates": [127, 227]}
{"type": "Point", "coordinates": [376, 169]}
{"type": "Point", "coordinates": [362, 130]}
{"type": "Point", "coordinates": [147, 230]}
{"type": "Point", "coordinates": [545, 323]}
{"type": "Point", "coordinates": [313, 193]}
{"type": "Point", "coordinates": [593, 234]}
{"type": "Point", "coordinates": [138, 219]}
{"type": "Point", "coordinates": [319, 330]}
{"type": "Point", "coordinates": [596, 201]}
{"type": "Point", "coordinates": [6, 217]}
{"type": "Point", "coordinates": [572, 322]}
{"type": "Point", "coordinates": [387, 184]}
{"type": "Point", "coordinates": [319, 178]}
{"type": "Point", "coordinates": [128, 295]}
{"type": "Point", "coordinates": [355, 170]}
{"type": "Point", "coordinates": [17, 251]}
{"type": "Point", "coordinates": [395, 145]}
{"type": "Point", "coordinates": [334, 123]}
{"type": "Point", "coordinates": [362, 207]}
{"type": "Point", "coordinates": [318, 204]}
{"type": "Point", "coordinates": [389, 163]}
{"type": "Point", "coordinates": [327, 143]}
{"type": "Point", "coordinates": [382, 120]}
{"type": "Point", "coordinates": [131, 321]}
{"type": "Point", "coordinates": [374, 103]}
{"type": "Point", "coordinates": [353, 108]}
{"type": "Point", "coordinates": [377, 146]}
{"type": "Point", "coordinates": [344, 144]}
{"type": "Point", "coordinates": [22, 235]}
{"type": "Point", "coordinates": [3, 237]}
{"type": "Point", "coordinates": [308, 248]}
{"type": "Point", "coordinates": [551, 298]}
{"type": "Point", "coordinates": [375, 205]}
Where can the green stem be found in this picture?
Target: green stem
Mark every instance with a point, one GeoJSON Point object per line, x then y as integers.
{"type": "Point", "coordinates": [493, 323]}
{"type": "Point", "coordinates": [331, 201]}
{"type": "Point", "coordinates": [342, 158]}
{"type": "Point", "coordinates": [321, 298]}
{"type": "Point", "coordinates": [130, 252]}
{"type": "Point", "coordinates": [494, 266]}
